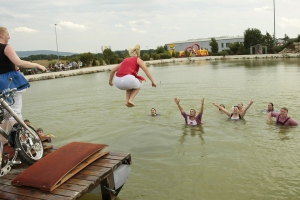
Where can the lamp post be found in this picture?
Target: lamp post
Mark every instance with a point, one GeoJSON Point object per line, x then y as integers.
{"type": "Point", "coordinates": [274, 23]}
{"type": "Point", "coordinates": [56, 43]}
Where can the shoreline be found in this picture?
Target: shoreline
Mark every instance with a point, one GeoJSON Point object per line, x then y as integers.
{"type": "Point", "coordinates": [97, 69]}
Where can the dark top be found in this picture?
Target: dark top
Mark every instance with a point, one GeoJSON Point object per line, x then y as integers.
{"type": "Point", "coordinates": [5, 64]}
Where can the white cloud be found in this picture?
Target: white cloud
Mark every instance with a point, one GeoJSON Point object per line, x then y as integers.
{"type": "Point", "coordinates": [263, 9]}
{"type": "Point", "coordinates": [137, 30]}
{"type": "Point", "coordinates": [285, 22]}
{"type": "Point", "coordinates": [171, 27]}
{"type": "Point", "coordinates": [72, 25]}
{"type": "Point", "coordinates": [25, 29]}
{"type": "Point", "coordinates": [119, 25]}
{"type": "Point", "coordinates": [141, 22]}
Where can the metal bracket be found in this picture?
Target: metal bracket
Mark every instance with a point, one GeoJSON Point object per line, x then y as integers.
{"type": "Point", "coordinates": [10, 163]}
{"type": "Point", "coordinates": [111, 190]}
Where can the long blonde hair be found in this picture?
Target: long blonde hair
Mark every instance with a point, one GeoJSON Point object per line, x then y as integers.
{"type": "Point", "coordinates": [135, 51]}
{"type": "Point", "coordinates": [2, 29]}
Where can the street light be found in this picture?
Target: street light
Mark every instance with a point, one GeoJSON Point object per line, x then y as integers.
{"type": "Point", "coordinates": [56, 43]}
{"type": "Point", "coordinates": [274, 23]}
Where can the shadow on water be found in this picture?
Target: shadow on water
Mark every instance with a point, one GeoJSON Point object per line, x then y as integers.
{"type": "Point", "coordinates": [192, 131]}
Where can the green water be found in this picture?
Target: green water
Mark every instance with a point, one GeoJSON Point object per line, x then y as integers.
{"type": "Point", "coordinates": [222, 159]}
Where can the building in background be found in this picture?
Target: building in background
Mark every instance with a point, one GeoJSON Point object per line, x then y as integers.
{"type": "Point", "coordinates": [223, 42]}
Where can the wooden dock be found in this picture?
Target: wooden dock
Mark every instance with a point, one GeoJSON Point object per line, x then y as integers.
{"type": "Point", "coordinates": [98, 173]}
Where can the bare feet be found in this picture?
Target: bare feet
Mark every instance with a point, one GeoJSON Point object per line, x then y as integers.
{"type": "Point", "coordinates": [129, 105]}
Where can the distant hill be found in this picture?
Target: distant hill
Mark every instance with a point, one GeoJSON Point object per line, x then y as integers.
{"type": "Point", "coordinates": [45, 52]}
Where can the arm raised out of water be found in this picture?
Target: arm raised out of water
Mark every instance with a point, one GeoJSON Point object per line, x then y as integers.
{"type": "Point", "coordinates": [223, 109]}
{"type": "Point", "coordinates": [177, 101]}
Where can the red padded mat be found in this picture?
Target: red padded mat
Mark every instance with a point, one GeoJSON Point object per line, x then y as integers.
{"type": "Point", "coordinates": [55, 168]}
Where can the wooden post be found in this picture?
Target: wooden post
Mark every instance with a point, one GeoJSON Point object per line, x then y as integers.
{"type": "Point", "coordinates": [108, 182]}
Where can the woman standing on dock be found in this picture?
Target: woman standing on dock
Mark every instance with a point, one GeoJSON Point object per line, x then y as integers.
{"type": "Point", "coordinates": [8, 60]}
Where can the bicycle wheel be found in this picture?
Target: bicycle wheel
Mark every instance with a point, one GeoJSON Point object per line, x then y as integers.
{"type": "Point", "coordinates": [31, 145]}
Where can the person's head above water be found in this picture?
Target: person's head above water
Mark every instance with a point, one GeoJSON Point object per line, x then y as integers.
{"type": "Point", "coordinates": [284, 112]}
{"type": "Point", "coordinates": [240, 105]}
{"type": "Point", "coordinates": [192, 113]}
{"type": "Point", "coordinates": [235, 109]}
{"type": "Point", "coordinates": [270, 107]}
{"type": "Point", "coordinates": [153, 112]}
{"type": "Point", "coordinates": [222, 105]}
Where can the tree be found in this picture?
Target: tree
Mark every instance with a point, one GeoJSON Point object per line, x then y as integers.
{"type": "Point", "coordinates": [86, 58]}
{"type": "Point", "coordinates": [241, 50]}
{"type": "Point", "coordinates": [252, 37]}
{"type": "Point", "coordinates": [145, 57]}
{"type": "Point", "coordinates": [107, 56]}
{"type": "Point", "coordinates": [160, 49]}
{"type": "Point", "coordinates": [234, 47]}
{"type": "Point", "coordinates": [268, 41]}
{"type": "Point", "coordinates": [214, 46]}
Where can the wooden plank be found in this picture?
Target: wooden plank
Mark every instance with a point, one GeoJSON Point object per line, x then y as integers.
{"type": "Point", "coordinates": [31, 193]}
{"type": "Point", "coordinates": [95, 167]}
{"type": "Point", "coordinates": [76, 181]}
{"type": "Point", "coordinates": [106, 165]}
{"type": "Point", "coordinates": [67, 193]}
{"type": "Point", "coordinates": [119, 154]}
{"type": "Point", "coordinates": [73, 187]}
{"type": "Point", "coordinates": [99, 173]}
{"type": "Point", "coordinates": [92, 178]}
{"type": "Point", "coordinates": [10, 196]}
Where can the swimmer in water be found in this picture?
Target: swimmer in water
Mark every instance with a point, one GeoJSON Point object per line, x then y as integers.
{"type": "Point", "coordinates": [235, 115]}
{"type": "Point", "coordinates": [282, 118]}
{"type": "Point", "coordinates": [240, 106]}
{"type": "Point", "coordinates": [223, 106]}
{"type": "Point", "coordinates": [153, 112]}
{"type": "Point", "coordinates": [191, 119]}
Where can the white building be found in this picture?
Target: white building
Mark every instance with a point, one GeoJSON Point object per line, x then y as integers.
{"type": "Point", "coordinates": [222, 41]}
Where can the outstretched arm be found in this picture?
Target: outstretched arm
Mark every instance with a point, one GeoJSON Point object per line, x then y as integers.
{"type": "Point", "coordinates": [202, 103]}
{"type": "Point", "coordinates": [177, 101]}
{"type": "Point", "coordinates": [14, 58]}
{"type": "Point", "coordinates": [244, 111]}
{"type": "Point", "coordinates": [269, 116]}
{"type": "Point", "coordinates": [147, 72]}
{"type": "Point", "coordinates": [112, 73]}
{"type": "Point", "coordinates": [223, 109]}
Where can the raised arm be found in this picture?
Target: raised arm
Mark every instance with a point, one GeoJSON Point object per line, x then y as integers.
{"type": "Point", "coordinates": [223, 109]}
{"type": "Point", "coordinates": [243, 113]}
{"type": "Point", "coordinates": [112, 73]}
{"type": "Point", "coordinates": [177, 101]}
{"type": "Point", "coordinates": [146, 70]}
{"type": "Point", "coordinates": [202, 104]}
{"type": "Point", "coordinates": [14, 58]}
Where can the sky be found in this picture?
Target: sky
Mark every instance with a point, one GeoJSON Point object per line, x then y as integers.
{"type": "Point", "coordinates": [87, 25]}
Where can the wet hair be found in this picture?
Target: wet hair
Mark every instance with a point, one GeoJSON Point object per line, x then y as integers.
{"type": "Point", "coordinates": [284, 108]}
{"type": "Point", "coordinates": [153, 109]}
{"type": "Point", "coordinates": [271, 104]}
{"type": "Point", "coordinates": [39, 129]}
{"type": "Point", "coordinates": [222, 105]}
{"type": "Point", "coordinates": [2, 29]}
